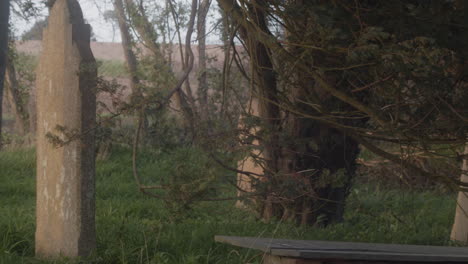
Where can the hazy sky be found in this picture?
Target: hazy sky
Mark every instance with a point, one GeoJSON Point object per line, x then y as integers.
{"type": "Point", "coordinates": [93, 10]}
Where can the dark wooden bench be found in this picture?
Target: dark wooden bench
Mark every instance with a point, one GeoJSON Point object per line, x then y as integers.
{"type": "Point", "coordinates": [285, 251]}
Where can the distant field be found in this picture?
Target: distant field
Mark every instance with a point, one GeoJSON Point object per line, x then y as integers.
{"type": "Point", "coordinates": [112, 68]}
{"type": "Point", "coordinates": [106, 67]}
{"type": "Point", "coordinates": [108, 51]}
{"type": "Point", "coordinates": [132, 228]}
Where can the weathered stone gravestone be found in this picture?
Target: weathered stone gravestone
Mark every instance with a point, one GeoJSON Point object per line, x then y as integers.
{"type": "Point", "coordinates": [460, 225]}
{"type": "Point", "coordinates": [66, 81]}
{"type": "Point", "coordinates": [249, 164]}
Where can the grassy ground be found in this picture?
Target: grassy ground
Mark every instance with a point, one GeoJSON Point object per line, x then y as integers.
{"type": "Point", "coordinates": [132, 228]}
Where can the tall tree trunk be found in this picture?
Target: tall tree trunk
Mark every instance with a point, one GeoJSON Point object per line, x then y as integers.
{"type": "Point", "coordinates": [460, 225]}
{"type": "Point", "coordinates": [183, 100]}
{"type": "Point", "coordinates": [4, 29]}
{"type": "Point", "coordinates": [186, 99]}
{"type": "Point", "coordinates": [147, 34]}
{"type": "Point", "coordinates": [202, 81]}
{"type": "Point", "coordinates": [130, 58]}
{"type": "Point", "coordinates": [264, 78]}
{"type": "Point", "coordinates": [31, 108]}
{"type": "Point", "coordinates": [14, 99]}
{"type": "Point", "coordinates": [189, 61]}
{"type": "Point", "coordinates": [144, 27]}
{"type": "Point", "coordinates": [317, 161]}
{"type": "Point", "coordinates": [127, 43]}
{"type": "Point", "coordinates": [329, 152]}
{"type": "Point", "coordinates": [168, 49]}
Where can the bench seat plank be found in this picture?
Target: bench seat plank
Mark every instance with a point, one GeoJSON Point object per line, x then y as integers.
{"type": "Point", "coordinates": [323, 250]}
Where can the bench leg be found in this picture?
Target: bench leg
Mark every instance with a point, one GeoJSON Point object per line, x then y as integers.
{"type": "Point", "coordinates": [269, 259]}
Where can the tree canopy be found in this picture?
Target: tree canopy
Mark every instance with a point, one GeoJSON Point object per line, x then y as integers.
{"type": "Point", "coordinates": [342, 74]}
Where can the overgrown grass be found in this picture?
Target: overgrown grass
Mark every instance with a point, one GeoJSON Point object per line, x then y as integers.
{"type": "Point", "coordinates": [132, 228]}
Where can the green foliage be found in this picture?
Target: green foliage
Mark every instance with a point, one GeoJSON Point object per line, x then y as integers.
{"type": "Point", "coordinates": [26, 66]}
{"type": "Point", "coordinates": [354, 72]}
{"type": "Point", "coordinates": [165, 131]}
{"type": "Point", "coordinates": [385, 56]}
{"type": "Point", "coordinates": [133, 228]}
{"type": "Point", "coordinates": [186, 176]}
{"type": "Point", "coordinates": [12, 140]}
{"type": "Point", "coordinates": [386, 174]}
